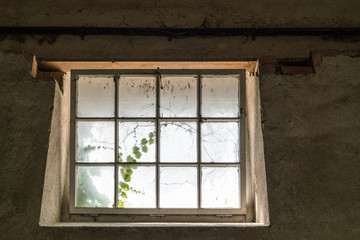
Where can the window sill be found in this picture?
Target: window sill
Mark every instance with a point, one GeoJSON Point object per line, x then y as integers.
{"type": "Point", "coordinates": [152, 224]}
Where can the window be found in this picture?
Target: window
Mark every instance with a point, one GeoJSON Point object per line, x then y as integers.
{"type": "Point", "coordinates": [154, 144]}
{"type": "Point", "coordinates": [114, 159]}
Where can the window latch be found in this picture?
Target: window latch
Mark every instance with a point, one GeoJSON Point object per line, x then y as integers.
{"type": "Point", "coordinates": [242, 111]}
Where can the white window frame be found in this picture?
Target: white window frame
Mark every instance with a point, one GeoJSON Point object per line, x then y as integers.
{"type": "Point", "coordinates": [232, 214]}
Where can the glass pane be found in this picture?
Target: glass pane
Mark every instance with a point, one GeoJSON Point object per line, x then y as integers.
{"type": "Point", "coordinates": [136, 187]}
{"type": "Point", "coordinates": [95, 96]}
{"type": "Point", "coordinates": [220, 142]}
{"type": "Point", "coordinates": [178, 142]}
{"type": "Point", "coordinates": [220, 187]}
{"type": "Point", "coordinates": [95, 187]}
{"type": "Point", "coordinates": [178, 96]}
{"type": "Point", "coordinates": [136, 142]}
{"type": "Point", "coordinates": [95, 141]}
{"type": "Point", "coordinates": [178, 187]}
{"type": "Point", "coordinates": [220, 96]}
{"type": "Point", "coordinates": [137, 96]}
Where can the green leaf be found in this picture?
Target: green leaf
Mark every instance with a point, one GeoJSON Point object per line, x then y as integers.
{"type": "Point", "coordinates": [144, 141]}
{"type": "Point", "coordinates": [127, 178]}
{"type": "Point", "coordinates": [133, 167]}
{"type": "Point", "coordinates": [136, 150]}
{"type": "Point", "coordinates": [123, 195]}
{"type": "Point", "coordinates": [144, 149]}
{"type": "Point", "coordinates": [120, 204]}
{"type": "Point", "coordinates": [89, 148]}
{"type": "Point", "coordinates": [151, 135]}
{"type": "Point", "coordinates": [123, 173]}
{"type": "Point", "coordinates": [151, 141]}
{"type": "Point", "coordinates": [120, 158]}
{"type": "Point", "coordinates": [124, 186]}
{"type": "Point", "coordinates": [138, 155]}
{"type": "Point", "coordinates": [129, 158]}
{"type": "Point", "coordinates": [128, 170]}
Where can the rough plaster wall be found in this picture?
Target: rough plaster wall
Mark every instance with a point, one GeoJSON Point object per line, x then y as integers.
{"type": "Point", "coordinates": [311, 138]}
{"type": "Point", "coordinates": [25, 115]}
{"type": "Point", "coordinates": [66, 47]}
{"type": "Point", "coordinates": [178, 14]}
{"type": "Point", "coordinates": [312, 127]}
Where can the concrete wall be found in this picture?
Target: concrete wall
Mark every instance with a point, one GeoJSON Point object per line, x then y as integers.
{"type": "Point", "coordinates": [179, 14]}
{"type": "Point", "coordinates": [311, 122]}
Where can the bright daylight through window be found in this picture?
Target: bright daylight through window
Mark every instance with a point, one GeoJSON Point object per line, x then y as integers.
{"type": "Point", "coordinates": [158, 143]}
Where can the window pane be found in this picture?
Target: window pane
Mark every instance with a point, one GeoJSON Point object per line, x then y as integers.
{"type": "Point", "coordinates": [136, 187]}
{"type": "Point", "coordinates": [220, 142]}
{"type": "Point", "coordinates": [137, 96]}
{"type": "Point", "coordinates": [220, 187]}
{"type": "Point", "coordinates": [95, 141]}
{"type": "Point", "coordinates": [95, 96]}
{"type": "Point", "coordinates": [136, 142]}
{"type": "Point", "coordinates": [178, 96]}
{"type": "Point", "coordinates": [95, 187]}
{"type": "Point", "coordinates": [220, 96]}
{"type": "Point", "coordinates": [178, 187]}
{"type": "Point", "coordinates": [178, 142]}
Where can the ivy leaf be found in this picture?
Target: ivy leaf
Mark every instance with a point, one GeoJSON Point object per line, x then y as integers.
{"type": "Point", "coordinates": [128, 170]}
{"type": "Point", "coordinates": [138, 155]}
{"type": "Point", "coordinates": [123, 173]}
{"type": "Point", "coordinates": [129, 158]}
{"type": "Point", "coordinates": [144, 149]}
{"type": "Point", "coordinates": [127, 178]}
{"type": "Point", "coordinates": [151, 135]}
{"type": "Point", "coordinates": [123, 195]}
{"type": "Point", "coordinates": [120, 204]}
{"type": "Point", "coordinates": [151, 141]}
{"type": "Point", "coordinates": [144, 141]}
{"type": "Point", "coordinates": [124, 186]}
{"type": "Point", "coordinates": [136, 150]}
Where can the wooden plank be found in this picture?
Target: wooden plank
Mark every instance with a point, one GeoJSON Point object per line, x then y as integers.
{"type": "Point", "coordinates": [34, 67]}
{"type": "Point", "coordinates": [66, 66]}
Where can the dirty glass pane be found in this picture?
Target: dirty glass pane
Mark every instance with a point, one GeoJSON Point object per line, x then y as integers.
{"type": "Point", "coordinates": [95, 96]}
{"type": "Point", "coordinates": [178, 142]}
{"type": "Point", "coordinates": [95, 141]}
{"type": "Point", "coordinates": [95, 187]}
{"type": "Point", "coordinates": [137, 96]}
{"type": "Point", "coordinates": [220, 96]}
{"type": "Point", "coordinates": [220, 142]}
{"type": "Point", "coordinates": [136, 187]}
{"type": "Point", "coordinates": [136, 142]}
{"type": "Point", "coordinates": [220, 187]}
{"type": "Point", "coordinates": [178, 187]}
{"type": "Point", "coordinates": [178, 96]}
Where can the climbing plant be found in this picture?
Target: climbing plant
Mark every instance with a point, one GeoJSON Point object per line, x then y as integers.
{"type": "Point", "coordinates": [87, 193]}
{"type": "Point", "coordinates": [126, 172]}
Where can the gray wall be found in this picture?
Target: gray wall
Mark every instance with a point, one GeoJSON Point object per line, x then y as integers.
{"type": "Point", "coordinates": [311, 122]}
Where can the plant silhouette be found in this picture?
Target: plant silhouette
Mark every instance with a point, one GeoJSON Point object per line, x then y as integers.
{"type": "Point", "coordinates": [87, 193]}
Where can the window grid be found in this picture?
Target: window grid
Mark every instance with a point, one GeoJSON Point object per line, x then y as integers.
{"type": "Point", "coordinates": [198, 119]}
